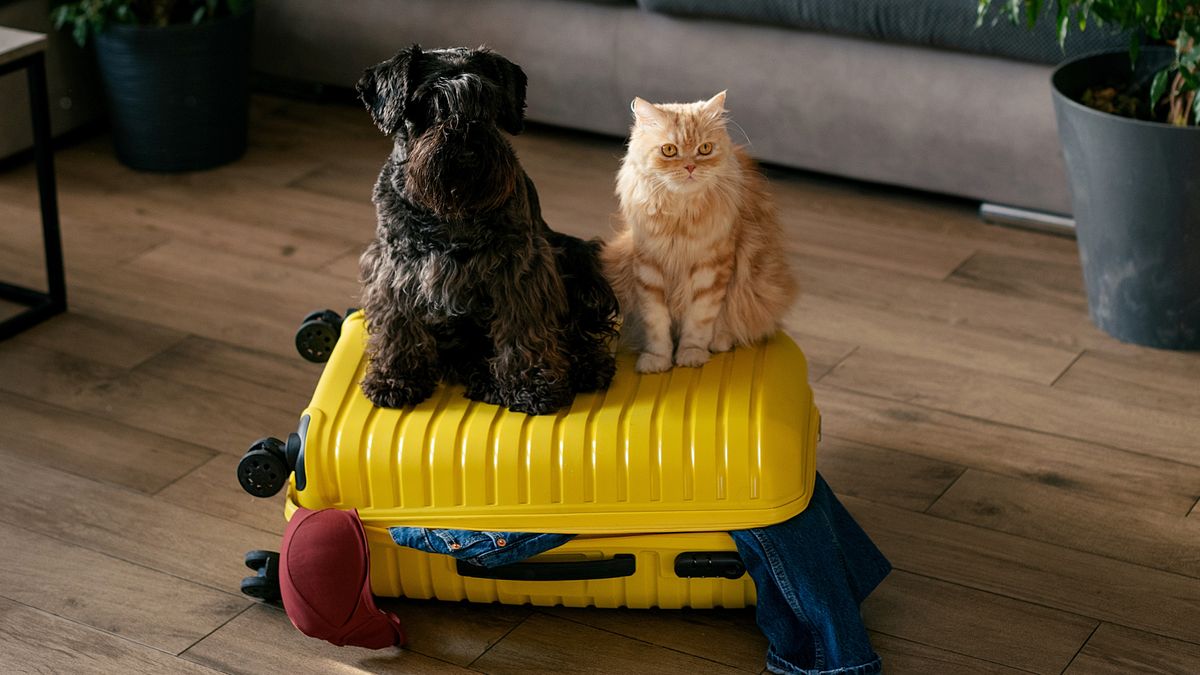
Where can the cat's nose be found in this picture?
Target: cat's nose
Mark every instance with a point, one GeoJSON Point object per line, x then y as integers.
{"type": "Point", "coordinates": [690, 168]}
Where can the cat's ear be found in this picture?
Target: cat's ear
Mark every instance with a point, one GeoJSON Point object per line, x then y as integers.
{"type": "Point", "coordinates": [716, 104]}
{"type": "Point", "coordinates": [646, 112]}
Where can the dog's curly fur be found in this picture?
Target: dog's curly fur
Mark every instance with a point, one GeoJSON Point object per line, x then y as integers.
{"type": "Point", "coordinates": [464, 280]}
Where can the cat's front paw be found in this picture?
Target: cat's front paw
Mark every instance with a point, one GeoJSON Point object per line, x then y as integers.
{"type": "Point", "coordinates": [653, 363]}
{"type": "Point", "coordinates": [691, 357]}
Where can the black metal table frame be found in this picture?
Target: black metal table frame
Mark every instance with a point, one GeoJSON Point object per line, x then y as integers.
{"type": "Point", "coordinates": [40, 306]}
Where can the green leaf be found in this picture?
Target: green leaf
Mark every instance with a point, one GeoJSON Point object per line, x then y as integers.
{"type": "Point", "coordinates": [1191, 80]}
{"type": "Point", "coordinates": [1196, 111]}
{"type": "Point", "coordinates": [59, 16]}
{"type": "Point", "coordinates": [1187, 51]}
{"type": "Point", "coordinates": [1135, 48]}
{"type": "Point", "coordinates": [1159, 86]}
{"type": "Point", "coordinates": [80, 32]}
{"type": "Point", "coordinates": [1064, 23]}
{"type": "Point", "coordinates": [198, 15]}
{"type": "Point", "coordinates": [1031, 11]}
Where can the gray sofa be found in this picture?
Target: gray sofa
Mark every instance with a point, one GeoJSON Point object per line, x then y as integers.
{"type": "Point", "coordinates": [868, 89]}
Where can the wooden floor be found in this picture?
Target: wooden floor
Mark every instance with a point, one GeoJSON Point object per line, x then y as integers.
{"type": "Point", "coordinates": [1033, 481]}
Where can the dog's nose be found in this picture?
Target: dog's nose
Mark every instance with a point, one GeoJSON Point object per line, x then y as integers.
{"type": "Point", "coordinates": [690, 168]}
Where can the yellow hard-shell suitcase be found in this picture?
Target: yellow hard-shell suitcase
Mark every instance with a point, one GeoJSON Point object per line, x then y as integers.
{"type": "Point", "coordinates": [650, 473]}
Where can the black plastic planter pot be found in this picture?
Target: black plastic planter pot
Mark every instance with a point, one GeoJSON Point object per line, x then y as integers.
{"type": "Point", "coordinates": [178, 95]}
{"type": "Point", "coordinates": [1135, 188]}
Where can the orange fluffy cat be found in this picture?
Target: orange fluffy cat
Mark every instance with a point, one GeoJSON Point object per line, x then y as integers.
{"type": "Point", "coordinates": [699, 266]}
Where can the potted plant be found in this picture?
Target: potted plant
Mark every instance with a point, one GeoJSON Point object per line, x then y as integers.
{"type": "Point", "coordinates": [1127, 122]}
{"type": "Point", "coordinates": [176, 75]}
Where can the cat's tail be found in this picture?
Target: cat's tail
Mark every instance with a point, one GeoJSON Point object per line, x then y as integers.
{"type": "Point", "coordinates": [618, 261]}
{"type": "Point", "coordinates": [760, 293]}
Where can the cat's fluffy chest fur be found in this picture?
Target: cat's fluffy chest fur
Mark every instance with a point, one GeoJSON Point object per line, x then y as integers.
{"type": "Point", "coordinates": [670, 244]}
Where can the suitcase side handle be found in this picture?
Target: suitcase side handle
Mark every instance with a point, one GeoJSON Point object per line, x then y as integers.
{"type": "Point", "coordinates": [620, 565]}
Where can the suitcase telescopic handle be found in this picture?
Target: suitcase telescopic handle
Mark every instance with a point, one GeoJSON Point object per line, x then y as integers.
{"type": "Point", "coordinates": [620, 565]}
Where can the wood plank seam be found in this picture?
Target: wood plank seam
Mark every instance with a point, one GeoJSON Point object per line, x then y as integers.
{"type": "Point", "coordinates": [222, 625]}
{"type": "Point", "coordinates": [1030, 600]}
{"type": "Point", "coordinates": [500, 639]}
{"type": "Point", "coordinates": [943, 494]}
{"type": "Point", "coordinates": [90, 627]}
{"type": "Point", "coordinates": [107, 554]}
{"type": "Point", "coordinates": [966, 261]}
{"type": "Point", "coordinates": [118, 423]}
{"type": "Point", "coordinates": [1069, 365]}
{"type": "Point", "coordinates": [839, 363]}
{"type": "Point", "coordinates": [1085, 643]}
{"type": "Point", "coordinates": [1056, 544]}
{"type": "Point", "coordinates": [1010, 425]}
{"type": "Point", "coordinates": [955, 652]}
{"type": "Point", "coordinates": [999, 595]}
{"type": "Point", "coordinates": [623, 636]}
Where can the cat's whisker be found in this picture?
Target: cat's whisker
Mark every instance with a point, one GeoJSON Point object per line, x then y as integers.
{"type": "Point", "coordinates": [739, 128]}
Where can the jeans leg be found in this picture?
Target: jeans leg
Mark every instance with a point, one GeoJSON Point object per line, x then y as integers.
{"type": "Point", "coordinates": [810, 574]}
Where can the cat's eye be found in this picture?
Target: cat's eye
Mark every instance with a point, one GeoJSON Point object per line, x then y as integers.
{"type": "Point", "coordinates": [705, 148]}
{"type": "Point", "coordinates": [669, 150]}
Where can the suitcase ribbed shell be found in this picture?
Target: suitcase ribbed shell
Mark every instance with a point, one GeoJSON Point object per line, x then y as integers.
{"type": "Point", "coordinates": [727, 446]}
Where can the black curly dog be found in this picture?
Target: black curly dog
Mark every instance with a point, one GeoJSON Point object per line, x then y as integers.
{"type": "Point", "coordinates": [464, 280]}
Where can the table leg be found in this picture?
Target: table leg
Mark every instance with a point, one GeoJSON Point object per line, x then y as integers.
{"type": "Point", "coordinates": [39, 106]}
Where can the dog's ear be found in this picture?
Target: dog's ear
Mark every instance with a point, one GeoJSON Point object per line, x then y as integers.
{"type": "Point", "coordinates": [385, 88]}
{"type": "Point", "coordinates": [511, 81]}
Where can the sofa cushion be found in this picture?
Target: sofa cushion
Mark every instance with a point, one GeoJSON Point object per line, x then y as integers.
{"type": "Point", "coordinates": [948, 24]}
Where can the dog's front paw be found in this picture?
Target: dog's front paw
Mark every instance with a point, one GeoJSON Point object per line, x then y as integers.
{"type": "Point", "coordinates": [691, 357]}
{"type": "Point", "coordinates": [539, 399]}
{"type": "Point", "coordinates": [387, 392]}
{"type": "Point", "coordinates": [539, 407]}
{"type": "Point", "coordinates": [483, 389]}
{"type": "Point", "coordinates": [653, 363]}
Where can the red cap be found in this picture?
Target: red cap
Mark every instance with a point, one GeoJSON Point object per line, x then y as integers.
{"type": "Point", "coordinates": [325, 581]}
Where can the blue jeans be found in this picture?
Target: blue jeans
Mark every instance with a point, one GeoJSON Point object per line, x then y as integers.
{"type": "Point", "coordinates": [810, 573]}
{"type": "Point", "coordinates": [486, 549]}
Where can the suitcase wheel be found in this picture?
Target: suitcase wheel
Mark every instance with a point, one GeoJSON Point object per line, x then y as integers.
{"type": "Point", "coordinates": [263, 470]}
{"type": "Point", "coordinates": [264, 585]}
{"type": "Point", "coordinates": [255, 560]}
{"type": "Point", "coordinates": [317, 335]}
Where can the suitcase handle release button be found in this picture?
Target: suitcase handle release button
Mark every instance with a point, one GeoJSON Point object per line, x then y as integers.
{"type": "Point", "coordinates": [724, 564]}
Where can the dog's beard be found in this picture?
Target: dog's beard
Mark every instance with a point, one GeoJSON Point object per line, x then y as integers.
{"type": "Point", "coordinates": [459, 169]}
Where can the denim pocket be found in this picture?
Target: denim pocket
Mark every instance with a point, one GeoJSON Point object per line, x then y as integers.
{"type": "Point", "coordinates": [466, 544]}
